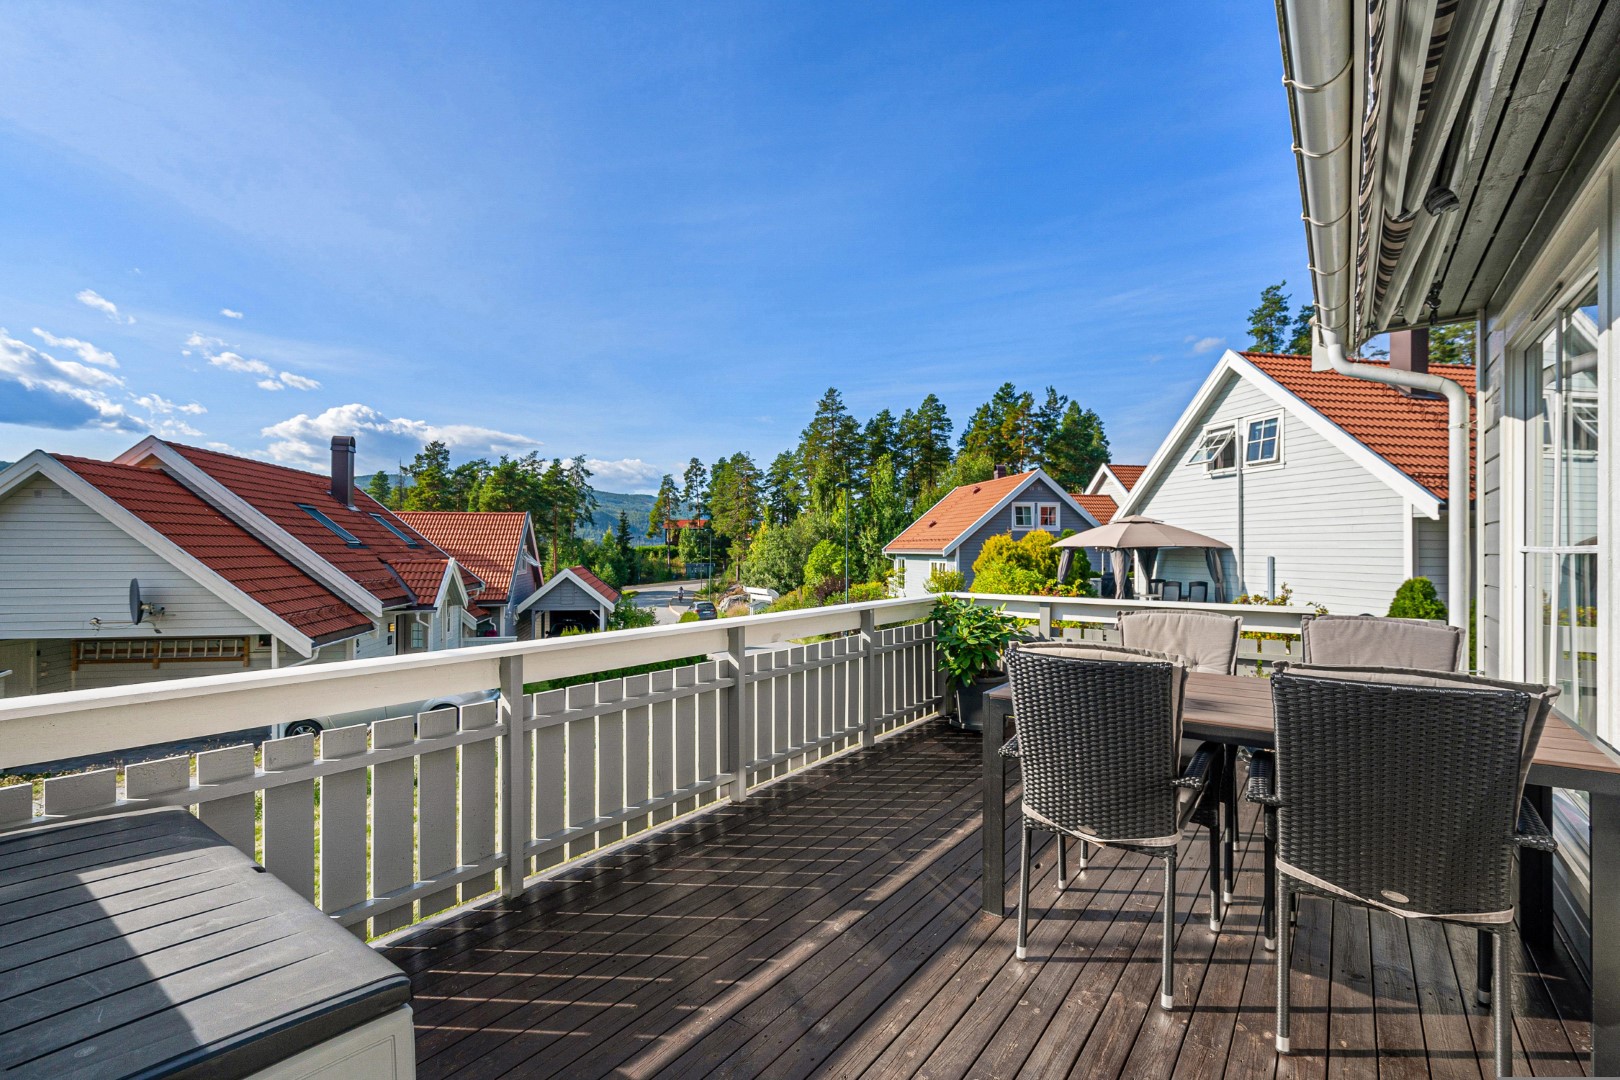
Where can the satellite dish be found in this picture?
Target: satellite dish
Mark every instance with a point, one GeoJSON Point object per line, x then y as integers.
{"type": "Point", "coordinates": [139, 609]}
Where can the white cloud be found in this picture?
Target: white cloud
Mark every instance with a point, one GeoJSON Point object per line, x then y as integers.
{"type": "Point", "coordinates": [155, 403]}
{"type": "Point", "coordinates": [1206, 344]}
{"type": "Point", "coordinates": [92, 299]}
{"type": "Point", "coordinates": [36, 389]}
{"type": "Point", "coordinates": [306, 440]}
{"type": "Point", "coordinates": [229, 314]}
{"type": "Point", "coordinates": [269, 378]}
{"type": "Point", "coordinates": [625, 474]}
{"type": "Point", "coordinates": [87, 352]}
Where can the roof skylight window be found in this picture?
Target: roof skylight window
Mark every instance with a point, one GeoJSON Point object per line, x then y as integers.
{"type": "Point", "coordinates": [395, 529]}
{"type": "Point", "coordinates": [337, 530]}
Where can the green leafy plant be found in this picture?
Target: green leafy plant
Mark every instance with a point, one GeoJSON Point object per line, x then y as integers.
{"type": "Point", "coordinates": [945, 581]}
{"type": "Point", "coordinates": [970, 638]}
{"type": "Point", "coordinates": [1417, 598]}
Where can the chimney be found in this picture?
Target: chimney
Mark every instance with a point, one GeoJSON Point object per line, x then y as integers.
{"type": "Point", "coordinates": [343, 469]}
{"type": "Point", "coordinates": [1001, 471]}
{"type": "Point", "coordinates": [1409, 351]}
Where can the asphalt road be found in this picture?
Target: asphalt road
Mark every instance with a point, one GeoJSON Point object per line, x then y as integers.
{"type": "Point", "coordinates": [659, 597]}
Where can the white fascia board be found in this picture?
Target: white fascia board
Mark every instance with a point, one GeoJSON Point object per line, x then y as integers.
{"type": "Point", "coordinates": [243, 514]}
{"type": "Point", "coordinates": [1234, 366]}
{"type": "Point", "coordinates": [161, 546]}
{"type": "Point", "coordinates": [1011, 497]}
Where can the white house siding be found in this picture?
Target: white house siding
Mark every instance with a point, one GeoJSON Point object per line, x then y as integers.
{"type": "Point", "coordinates": [1431, 549]}
{"type": "Point", "coordinates": [1001, 522]}
{"type": "Point", "coordinates": [55, 673]}
{"type": "Point", "coordinates": [62, 564]}
{"type": "Point", "coordinates": [918, 569]}
{"type": "Point", "coordinates": [1337, 532]}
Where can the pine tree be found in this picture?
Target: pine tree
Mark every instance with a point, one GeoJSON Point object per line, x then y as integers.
{"type": "Point", "coordinates": [430, 480]}
{"type": "Point", "coordinates": [1003, 428]}
{"type": "Point", "coordinates": [1079, 448]}
{"type": "Point", "coordinates": [784, 494]}
{"type": "Point", "coordinates": [829, 449]}
{"type": "Point", "coordinates": [1268, 323]}
{"type": "Point", "coordinates": [665, 507]}
{"type": "Point", "coordinates": [1453, 344]}
{"type": "Point", "coordinates": [381, 489]}
{"type": "Point", "coordinates": [1300, 342]}
{"type": "Point", "coordinates": [1045, 424]}
{"type": "Point", "coordinates": [925, 439]}
{"type": "Point", "coordinates": [881, 436]}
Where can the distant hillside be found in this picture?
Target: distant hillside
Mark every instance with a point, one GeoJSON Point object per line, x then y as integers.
{"type": "Point", "coordinates": [607, 514]}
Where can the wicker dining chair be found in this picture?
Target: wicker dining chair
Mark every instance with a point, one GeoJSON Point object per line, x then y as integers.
{"type": "Point", "coordinates": [1207, 642]}
{"type": "Point", "coordinates": [1414, 808]}
{"type": "Point", "coordinates": [1374, 641]}
{"type": "Point", "coordinates": [1098, 743]}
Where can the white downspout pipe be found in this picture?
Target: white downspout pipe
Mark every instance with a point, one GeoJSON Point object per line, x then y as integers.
{"type": "Point", "coordinates": [1457, 482]}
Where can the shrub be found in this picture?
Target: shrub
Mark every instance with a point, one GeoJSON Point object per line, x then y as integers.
{"type": "Point", "coordinates": [945, 581]}
{"type": "Point", "coordinates": [1026, 567]}
{"type": "Point", "coordinates": [868, 590]}
{"type": "Point", "coordinates": [689, 616]}
{"type": "Point", "coordinates": [1417, 598]}
{"type": "Point", "coordinates": [826, 561]}
{"type": "Point", "coordinates": [627, 616]}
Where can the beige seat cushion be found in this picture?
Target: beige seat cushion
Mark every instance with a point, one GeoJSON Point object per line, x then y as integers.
{"type": "Point", "coordinates": [1371, 641]}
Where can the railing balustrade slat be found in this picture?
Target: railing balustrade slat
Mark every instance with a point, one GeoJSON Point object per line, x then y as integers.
{"type": "Point", "coordinates": [289, 815]}
{"type": "Point", "coordinates": [80, 791]}
{"type": "Point", "coordinates": [343, 824]}
{"type": "Point", "coordinates": [393, 828]}
{"type": "Point", "coordinates": [637, 748]}
{"type": "Point", "coordinates": [581, 783]}
{"type": "Point", "coordinates": [686, 721]}
{"type": "Point", "coordinates": [234, 818]}
{"type": "Point", "coordinates": [436, 811]}
{"type": "Point", "coordinates": [610, 759]}
{"type": "Point", "coordinates": [662, 748]}
{"type": "Point", "coordinates": [478, 772]}
{"type": "Point", "coordinates": [550, 777]}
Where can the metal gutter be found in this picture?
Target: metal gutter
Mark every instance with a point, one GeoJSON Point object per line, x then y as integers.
{"type": "Point", "coordinates": [1321, 62]}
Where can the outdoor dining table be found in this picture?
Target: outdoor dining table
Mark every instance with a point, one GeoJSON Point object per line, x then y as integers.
{"type": "Point", "coordinates": [1235, 710]}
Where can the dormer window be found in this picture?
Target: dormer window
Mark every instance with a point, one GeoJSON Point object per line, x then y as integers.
{"type": "Point", "coordinates": [337, 530]}
{"type": "Point", "coordinates": [395, 529]}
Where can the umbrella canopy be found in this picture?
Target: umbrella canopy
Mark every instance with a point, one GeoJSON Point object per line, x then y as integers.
{"type": "Point", "coordinates": [1139, 532]}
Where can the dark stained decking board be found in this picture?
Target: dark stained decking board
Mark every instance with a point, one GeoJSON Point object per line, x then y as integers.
{"type": "Point", "coordinates": [830, 926]}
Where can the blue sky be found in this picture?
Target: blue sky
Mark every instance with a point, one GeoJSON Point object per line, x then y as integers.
{"type": "Point", "coordinates": [636, 232]}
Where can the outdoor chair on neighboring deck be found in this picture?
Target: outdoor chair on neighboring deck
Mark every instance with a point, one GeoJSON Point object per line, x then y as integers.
{"type": "Point", "coordinates": [1358, 641]}
{"type": "Point", "coordinates": [1155, 589]}
{"type": "Point", "coordinates": [1198, 592]}
{"type": "Point", "coordinates": [1099, 741]}
{"type": "Point", "coordinates": [1413, 807]}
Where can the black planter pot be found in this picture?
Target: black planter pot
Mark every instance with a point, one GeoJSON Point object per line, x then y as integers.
{"type": "Point", "coordinates": [970, 705]}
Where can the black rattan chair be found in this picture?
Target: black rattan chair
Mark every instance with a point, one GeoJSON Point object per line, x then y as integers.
{"type": "Point", "coordinates": [1099, 745]}
{"type": "Point", "coordinates": [1414, 808]}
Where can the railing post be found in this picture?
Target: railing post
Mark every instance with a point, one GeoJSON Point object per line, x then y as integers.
{"type": "Point", "coordinates": [739, 712]}
{"type": "Point", "coordinates": [516, 801]}
{"type": "Point", "coordinates": [871, 676]}
{"type": "Point", "coordinates": [1044, 621]}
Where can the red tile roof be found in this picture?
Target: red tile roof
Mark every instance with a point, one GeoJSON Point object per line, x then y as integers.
{"type": "Point", "coordinates": [596, 584]}
{"type": "Point", "coordinates": [1127, 474]}
{"type": "Point", "coordinates": [953, 515]}
{"type": "Point", "coordinates": [422, 576]}
{"type": "Point", "coordinates": [1409, 433]}
{"type": "Point", "coordinates": [275, 491]}
{"type": "Point", "coordinates": [224, 547]}
{"type": "Point", "coordinates": [486, 543]}
{"type": "Point", "coordinates": [1101, 507]}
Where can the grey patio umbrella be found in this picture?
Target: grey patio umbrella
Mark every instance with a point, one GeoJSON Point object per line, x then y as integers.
{"type": "Point", "coordinates": [1145, 536]}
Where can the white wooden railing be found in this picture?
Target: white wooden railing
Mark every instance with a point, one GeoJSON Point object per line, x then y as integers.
{"type": "Point", "coordinates": [406, 817]}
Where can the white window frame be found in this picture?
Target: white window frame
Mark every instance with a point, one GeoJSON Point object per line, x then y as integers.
{"type": "Point", "coordinates": [1202, 454]}
{"type": "Point", "coordinates": [1276, 459]}
{"type": "Point", "coordinates": [1057, 515]}
{"type": "Point", "coordinates": [1028, 508]}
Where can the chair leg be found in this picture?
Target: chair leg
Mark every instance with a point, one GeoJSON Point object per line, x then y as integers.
{"type": "Point", "coordinates": [1504, 943]}
{"type": "Point", "coordinates": [1284, 961]}
{"type": "Point", "coordinates": [1229, 798]}
{"type": "Point", "coordinates": [1085, 854]}
{"type": "Point", "coordinates": [1023, 891]}
{"type": "Point", "coordinates": [1268, 901]}
{"type": "Point", "coordinates": [1483, 965]}
{"type": "Point", "coordinates": [1215, 879]}
{"type": "Point", "coordinates": [1063, 861]}
{"type": "Point", "coordinates": [1167, 990]}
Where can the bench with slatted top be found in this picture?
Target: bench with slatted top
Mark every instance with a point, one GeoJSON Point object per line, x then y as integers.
{"type": "Point", "coordinates": [146, 945]}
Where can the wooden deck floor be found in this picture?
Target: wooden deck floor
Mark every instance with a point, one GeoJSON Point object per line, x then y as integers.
{"type": "Point", "coordinates": [831, 927]}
